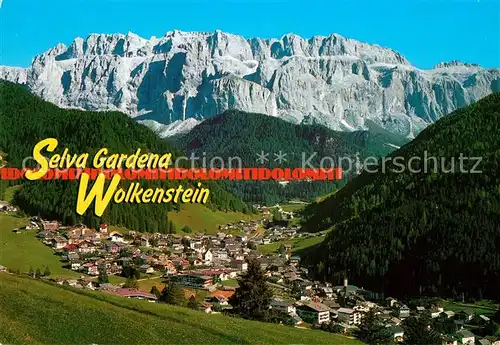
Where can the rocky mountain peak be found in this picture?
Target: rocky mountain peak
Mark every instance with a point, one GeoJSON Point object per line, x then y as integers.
{"type": "Point", "coordinates": [339, 82]}
{"type": "Point", "coordinates": [455, 63]}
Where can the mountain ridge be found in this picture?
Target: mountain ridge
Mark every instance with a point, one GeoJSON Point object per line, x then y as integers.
{"type": "Point", "coordinates": [25, 119]}
{"type": "Point", "coordinates": [431, 232]}
{"type": "Point", "coordinates": [331, 80]}
{"type": "Point", "coordinates": [236, 134]}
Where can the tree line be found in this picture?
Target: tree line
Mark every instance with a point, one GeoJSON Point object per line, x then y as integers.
{"type": "Point", "coordinates": [26, 119]}
{"type": "Point", "coordinates": [244, 135]}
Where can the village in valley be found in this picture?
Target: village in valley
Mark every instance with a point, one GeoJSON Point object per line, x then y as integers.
{"type": "Point", "coordinates": [209, 264]}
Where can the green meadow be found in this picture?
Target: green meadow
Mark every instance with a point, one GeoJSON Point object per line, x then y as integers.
{"type": "Point", "coordinates": [22, 251]}
{"type": "Point", "coordinates": [298, 244]}
{"type": "Point", "coordinates": [200, 218]}
{"type": "Point", "coordinates": [487, 308]}
{"type": "Point", "coordinates": [38, 312]}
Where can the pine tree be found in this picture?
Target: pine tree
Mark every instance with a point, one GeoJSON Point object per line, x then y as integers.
{"type": "Point", "coordinates": [131, 283]}
{"type": "Point", "coordinates": [193, 303]}
{"type": "Point", "coordinates": [103, 276]}
{"type": "Point", "coordinates": [172, 294]}
{"type": "Point", "coordinates": [282, 250]}
{"type": "Point", "coordinates": [277, 216]}
{"type": "Point", "coordinates": [155, 291]}
{"type": "Point", "coordinates": [417, 331]}
{"type": "Point", "coordinates": [46, 272]}
{"type": "Point", "coordinates": [186, 229]}
{"type": "Point", "coordinates": [172, 229]}
{"type": "Point", "coordinates": [253, 296]}
{"type": "Point", "coordinates": [372, 331]}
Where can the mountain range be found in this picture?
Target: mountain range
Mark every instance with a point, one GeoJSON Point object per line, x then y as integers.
{"type": "Point", "coordinates": [173, 82]}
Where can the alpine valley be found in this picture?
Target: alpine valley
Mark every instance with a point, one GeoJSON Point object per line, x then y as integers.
{"type": "Point", "coordinates": [173, 82]}
{"type": "Point", "coordinates": [398, 245]}
{"type": "Point", "coordinates": [236, 134]}
{"type": "Point", "coordinates": [418, 232]}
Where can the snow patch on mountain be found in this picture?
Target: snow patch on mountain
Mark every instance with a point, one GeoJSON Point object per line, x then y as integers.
{"type": "Point", "coordinates": [393, 146]}
{"type": "Point", "coordinates": [175, 128]}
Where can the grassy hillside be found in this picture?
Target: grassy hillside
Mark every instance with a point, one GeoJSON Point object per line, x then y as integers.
{"type": "Point", "coordinates": [488, 310]}
{"type": "Point", "coordinates": [24, 250]}
{"type": "Point", "coordinates": [201, 219]}
{"type": "Point", "coordinates": [75, 317]}
{"type": "Point", "coordinates": [26, 119]}
{"type": "Point", "coordinates": [298, 244]}
{"type": "Point", "coordinates": [416, 232]}
{"type": "Point", "coordinates": [10, 192]}
{"type": "Point", "coordinates": [243, 135]}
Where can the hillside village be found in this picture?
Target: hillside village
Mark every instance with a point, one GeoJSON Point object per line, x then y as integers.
{"type": "Point", "coordinates": [207, 262]}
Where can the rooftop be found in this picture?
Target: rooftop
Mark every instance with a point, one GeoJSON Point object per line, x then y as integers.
{"type": "Point", "coordinates": [345, 310]}
{"type": "Point", "coordinates": [319, 307]}
{"type": "Point", "coordinates": [465, 333]}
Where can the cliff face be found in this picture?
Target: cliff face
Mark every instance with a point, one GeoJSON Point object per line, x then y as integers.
{"type": "Point", "coordinates": [338, 82]}
{"type": "Point", "coordinates": [16, 75]}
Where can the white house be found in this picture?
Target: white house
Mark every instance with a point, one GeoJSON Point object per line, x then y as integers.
{"type": "Point", "coordinates": [145, 242]}
{"type": "Point", "coordinates": [283, 306]}
{"type": "Point", "coordinates": [328, 291]}
{"type": "Point", "coordinates": [349, 316]}
{"type": "Point", "coordinates": [219, 254]}
{"type": "Point", "coordinates": [397, 332]}
{"type": "Point", "coordinates": [116, 237]}
{"type": "Point", "coordinates": [484, 318]}
{"type": "Point", "coordinates": [449, 313]}
{"type": "Point", "coordinates": [147, 269]}
{"type": "Point", "coordinates": [435, 313]}
{"type": "Point", "coordinates": [241, 265]}
{"type": "Point", "coordinates": [208, 257]}
{"type": "Point", "coordinates": [466, 337]}
{"type": "Point", "coordinates": [313, 312]}
{"type": "Point", "coordinates": [404, 311]}
{"type": "Point", "coordinates": [195, 243]}
{"type": "Point", "coordinates": [483, 341]}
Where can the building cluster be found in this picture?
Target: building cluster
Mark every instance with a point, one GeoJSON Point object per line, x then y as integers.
{"type": "Point", "coordinates": [316, 302]}
{"type": "Point", "coordinates": [345, 306]}
{"type": "Point", "coordinates": [197, 261]}
{"type": "Point", "coordinates": [207, 261]}
{"type": "Point", "coordinates": [269, 210]}
{"type": "Point", "coordinates": [282, 229]}
{"type": "Point", "coordinates": [461, 325]}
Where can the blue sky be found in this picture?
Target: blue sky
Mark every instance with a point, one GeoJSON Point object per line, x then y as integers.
{"type": "Point", "coordinates": [426, 32]}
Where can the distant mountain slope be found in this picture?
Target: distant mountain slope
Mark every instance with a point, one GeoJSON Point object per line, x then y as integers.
{"type": "Point", "coordinates": [85, 317]}
{"type": "Point", "coordinates": [431, 233]}
{"type": "Point", "coordinates": [25, 119]}
{"type": "Point", "coordinates": [245, 135]}
{"type": "Point", "coordinates": [332, 80]}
